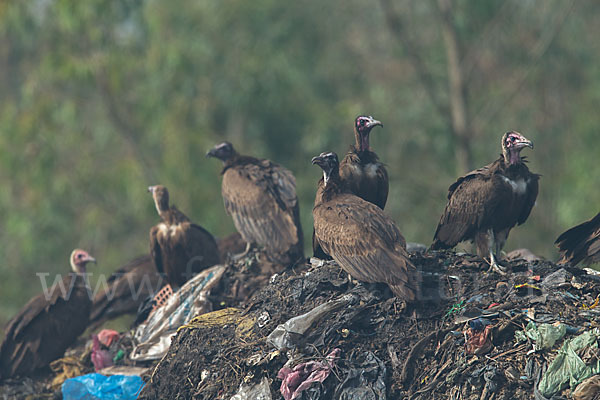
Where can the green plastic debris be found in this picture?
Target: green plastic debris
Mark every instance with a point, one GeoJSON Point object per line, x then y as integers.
{"type": "Point", "coordinates": [544, 336]}
{"type": "Point", "coordinates": [568, 367]}
{"type": "Point", "coordinates": [119, 355]}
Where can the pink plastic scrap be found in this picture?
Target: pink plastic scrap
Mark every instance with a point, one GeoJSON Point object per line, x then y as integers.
{"type": "Point", "coordinates": [108, 336]}
{"type": "Point", "coordinates": [101, 358]}
{"type": "Point", "coordinates": [301, 377]}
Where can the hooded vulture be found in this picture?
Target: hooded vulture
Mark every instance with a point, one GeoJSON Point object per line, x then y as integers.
{"type": "Point", "coordinates": [49, 323]}
{"type": "Point", "coordinates": [485, 204]}
{"type": "Point", "coordinates": [126, 289]}
{"type": "Point", "coordinates": [581, 243]}
{"type": "Point", "coordinates": [361, 171]}
{"type": "Point", "coordinates": [179, 248]}
{"type": "Point", "coordinates": [261, 198]}
{"type": "Point", "coordinates": [359, 236]}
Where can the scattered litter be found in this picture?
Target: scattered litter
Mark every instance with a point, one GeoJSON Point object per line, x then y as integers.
{"type": "Point", "coordinates": [588, 389]}
{"type": "Point", "coordinates": [260, 391]}
{"type": "Point", "coordinates": [568, 368]}
{"type": "Point", "coordinates": [303, 376]}
{"type": "Point", "coordinates": [65, 368]}
{"type": "Point", "coordinates": [479, 340]}
{"type": "Point", "coordinates": [99, 387]}
{"type": "Point", "coordinates": [365, 379]}
{"type": "Point", "coordinates": [287, 335]}
{"type": "Point", "coordinates": [154, 335]}
{"type": "Point", "coordinates": [544, 336]}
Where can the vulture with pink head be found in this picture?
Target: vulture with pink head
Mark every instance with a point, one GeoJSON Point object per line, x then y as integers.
{"type": "Point", "coordinates": [49, 323]}
{"type": "Point", "coordinates": [361, 171]}
{"type": "Point", "coordinates": [485, 204]}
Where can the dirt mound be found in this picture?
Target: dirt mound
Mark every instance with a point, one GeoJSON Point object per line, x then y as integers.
{"type": "Point", "coordinates": [457, 342]}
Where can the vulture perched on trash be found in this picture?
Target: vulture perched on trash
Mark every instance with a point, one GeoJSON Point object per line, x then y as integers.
{"type": "Point", "coordinates": [49, 323]}
{"type": "Point", "coordinates": [359, 236]}
{"type": "Point", "coordinates": [260, 196]}
{"type": "Point", "coordinates": [485, 204]}
{"type": "Point", "coordinates": [581, 243]}
{"type": "Point", "coordinates": [361, 171]}
{"type": "Point", "coordinates": [179, 248]}
{"type": "Point", "coordinates": [126, 289]}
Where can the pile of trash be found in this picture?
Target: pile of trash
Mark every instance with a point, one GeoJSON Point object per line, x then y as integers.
{"type": "Point", "coordinates": [109, 364]}
{"type": "Point", "coordinates": [314, 333]}
{"type": "Point", "coordinates": [255, 330]}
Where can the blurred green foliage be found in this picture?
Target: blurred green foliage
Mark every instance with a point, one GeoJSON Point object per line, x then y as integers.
{"type": "Point", "coordinates": [99, 99]}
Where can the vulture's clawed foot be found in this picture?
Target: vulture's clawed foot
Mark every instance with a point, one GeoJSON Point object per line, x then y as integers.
{"type": "Point", "coordinates": [238, 257]}
{"type": "Point", "coordinates": [496, 267]}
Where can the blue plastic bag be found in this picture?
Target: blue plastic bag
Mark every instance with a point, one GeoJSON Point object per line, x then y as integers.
{"type": "Point", "coordinates": [100, 387]}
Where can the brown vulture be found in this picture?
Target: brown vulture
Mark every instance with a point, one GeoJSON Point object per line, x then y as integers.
{"type": "Point", "coordinates": [260, 196]}
{"type": "Point", "coordinates": [49, 323]}
{"type": "Point", "coordinates": [361, 171]}
{"type": "Point", "coordinates": [485, 204]}
{"type": "Point", "coordinates": [179, 248]}
{"type": "Point", "coordinates": [359, 236]}
{"type": "Point", "coordinates": [126, 289]}
{"type": "Point", "coordinates": [581, 243]}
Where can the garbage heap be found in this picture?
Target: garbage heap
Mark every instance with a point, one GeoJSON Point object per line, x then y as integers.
{"type": "Point", "coordinates": [314, 333]}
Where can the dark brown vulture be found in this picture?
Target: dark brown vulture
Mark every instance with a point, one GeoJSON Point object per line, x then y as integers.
{"type": "Point", "coordinates": [359, 236]}
{"type": "Point", "coordinates": [49, 323]}
{"type": "Point", "coordinates": [485, 204]}
{"type": "Point", "coordinates": [179, 248]}
{"type": "Point", "coordinates": [361, 171]}
{"type": "Point", "coordinates": [261, 198]}
{"type": "Point", "coordinates": [126, 289]}
{"type": "Point", "coordinates": [581, 243]}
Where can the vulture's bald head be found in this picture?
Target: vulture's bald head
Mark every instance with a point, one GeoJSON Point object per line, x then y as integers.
{"type": "Point", "coordinates": [79, 259]}
{"type": "Point", "coordinates": [362, 128]}
{"type": "Point", "coordinates": [512, 144]}
{"type": "Point", "coordinates": [328, 161]}
{"type": "Point", "coordinates": [223, 151]}
{"type": "Point", "coordinates": [160, 194]}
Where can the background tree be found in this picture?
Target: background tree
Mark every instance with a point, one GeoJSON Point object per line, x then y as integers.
{"type": "Point", "coordinates": [99, 99]}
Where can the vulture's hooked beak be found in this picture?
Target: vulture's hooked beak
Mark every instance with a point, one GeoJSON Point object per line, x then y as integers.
{"type": "Point", "coordinates": [374, 122]}
{"type": "Point", "coordinates": [318, 160]}
{"type": "Point", "coordinates": [90, 259]}
{"type": "Point", "coordinates": [150, 189]}
{"type": "Point", "coordinates": [211, 153]}
{"type": "Point", "coordinates": [523, 142]}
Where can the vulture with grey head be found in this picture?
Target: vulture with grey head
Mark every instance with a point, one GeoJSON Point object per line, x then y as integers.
{"type": "Point", "coordinates": [359, 236]}
{"type": "Point", "coordinates": [485, 204]}
{"type": "Point", "coordinates": [49, 323]}
{"type": "Point", "coordinates": [260, 196]}
{"type": "Point", "coordinates": [179, 248]}
{"type": "Point", "coordinates": [580, 243]}
{"type": "Point", "coordinates": [126, 289]}
{"type": "Point", "coordinates": [361, 171]}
